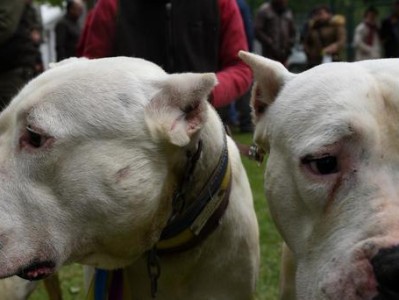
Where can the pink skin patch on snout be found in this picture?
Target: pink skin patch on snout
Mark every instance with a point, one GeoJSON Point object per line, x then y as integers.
{"type": "Point", "coordinates": [37, 270]}
{"type": "Point", "coordinates": [368, 285]}
{"type": "Point", "coordinates": [352, 281]}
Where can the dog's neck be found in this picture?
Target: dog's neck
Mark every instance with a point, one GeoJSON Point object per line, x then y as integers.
{"type": "Point", "coordinates": [213, 141]}
{"type": "Point", "coordinates": [202, 193]}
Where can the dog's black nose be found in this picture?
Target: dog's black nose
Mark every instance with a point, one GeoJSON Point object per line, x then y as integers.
{"type": "Point", "coordinates": [386, 270]}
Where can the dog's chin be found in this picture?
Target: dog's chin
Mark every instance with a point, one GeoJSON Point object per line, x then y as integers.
{"type": "Point", "coordinates": [37, 270]}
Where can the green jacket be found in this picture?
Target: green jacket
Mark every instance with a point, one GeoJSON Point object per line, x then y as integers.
{"type": "Point", "coordinates": [10, 14]}
{"type": "Point", "coordinates": [20, 49]}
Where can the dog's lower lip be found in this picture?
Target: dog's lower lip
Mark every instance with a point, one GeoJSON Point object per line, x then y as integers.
{"type": "Point", "coordinates": [37, 270]}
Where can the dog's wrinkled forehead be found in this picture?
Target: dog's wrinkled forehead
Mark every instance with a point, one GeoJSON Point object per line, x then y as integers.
{"type": "Point", "coordinates": [108, 93]}
{"type": "Point", "coordinates": [326, 103]}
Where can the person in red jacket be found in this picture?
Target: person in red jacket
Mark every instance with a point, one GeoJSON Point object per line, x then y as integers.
{"type": "Point", "coordinates": [178, 35]}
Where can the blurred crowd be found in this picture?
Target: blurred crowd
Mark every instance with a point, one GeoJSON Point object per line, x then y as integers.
{"type": "Point", "coordinates": [323, 35]}
{"type": "Point", "coordinates": [189, 36]}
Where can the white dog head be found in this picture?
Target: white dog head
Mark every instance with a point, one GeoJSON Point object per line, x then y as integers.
{"type": "Point", "coordinates": [332, 175]}
{"type": "Point", "coordinates": [89, 155]}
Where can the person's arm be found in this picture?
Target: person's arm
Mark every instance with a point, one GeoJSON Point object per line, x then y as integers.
{"type": "Point", "coordinates": [10, 15]}
{"type": "Point", "coordinates": [341, 38]}
{"type": "Point", "coordinates": [100, 31]}
{"type": "Point", "coordinates": [234, 76]}
{"type": "Point", "coordinates": [339, 44]}
{"type": "Point", "coordinates": [260, 35]}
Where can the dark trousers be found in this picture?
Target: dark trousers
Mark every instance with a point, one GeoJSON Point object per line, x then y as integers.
{"type": "Point", "coordinates": [244, 112]}
{"type": "Point", "coordinates": [242, 108]}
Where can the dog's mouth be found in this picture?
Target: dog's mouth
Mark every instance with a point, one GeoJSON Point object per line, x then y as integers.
{"type": "Point", "coordinates": [37, 270]}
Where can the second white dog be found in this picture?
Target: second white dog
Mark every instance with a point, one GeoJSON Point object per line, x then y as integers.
{"type": "Point", "coordinates": [332, 134]}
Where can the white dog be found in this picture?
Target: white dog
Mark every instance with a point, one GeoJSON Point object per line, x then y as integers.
{"type": "Point", "coordinates": [15, 288]}
{"type": "Point", "coordinates": [332, 135]}
{"type": "Point", "coordinates": [115, 164]}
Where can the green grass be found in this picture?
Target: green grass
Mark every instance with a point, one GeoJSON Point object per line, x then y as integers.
{"type": "Point", "coordinates": [72, 276]}
{"type": "Point", "coordinates": [270, 241]}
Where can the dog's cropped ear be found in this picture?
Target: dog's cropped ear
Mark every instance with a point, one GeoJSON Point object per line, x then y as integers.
{"type": "Point", "coordinates": [178, 110]}
{"type": "Point", "coordinates": [269, 77]}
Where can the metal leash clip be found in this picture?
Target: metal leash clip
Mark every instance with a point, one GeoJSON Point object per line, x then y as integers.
{"type": "Point", "coordinates": [256, 154]}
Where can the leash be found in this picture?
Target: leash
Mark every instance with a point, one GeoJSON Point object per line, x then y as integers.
{"type": "Point", "coordinates": [108, 285]}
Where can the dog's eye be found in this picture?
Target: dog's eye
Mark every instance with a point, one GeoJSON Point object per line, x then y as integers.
{"type": "Point", "coordinates": [322, 166]}
{"type": "Point", "coordinates": [34, 139]}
